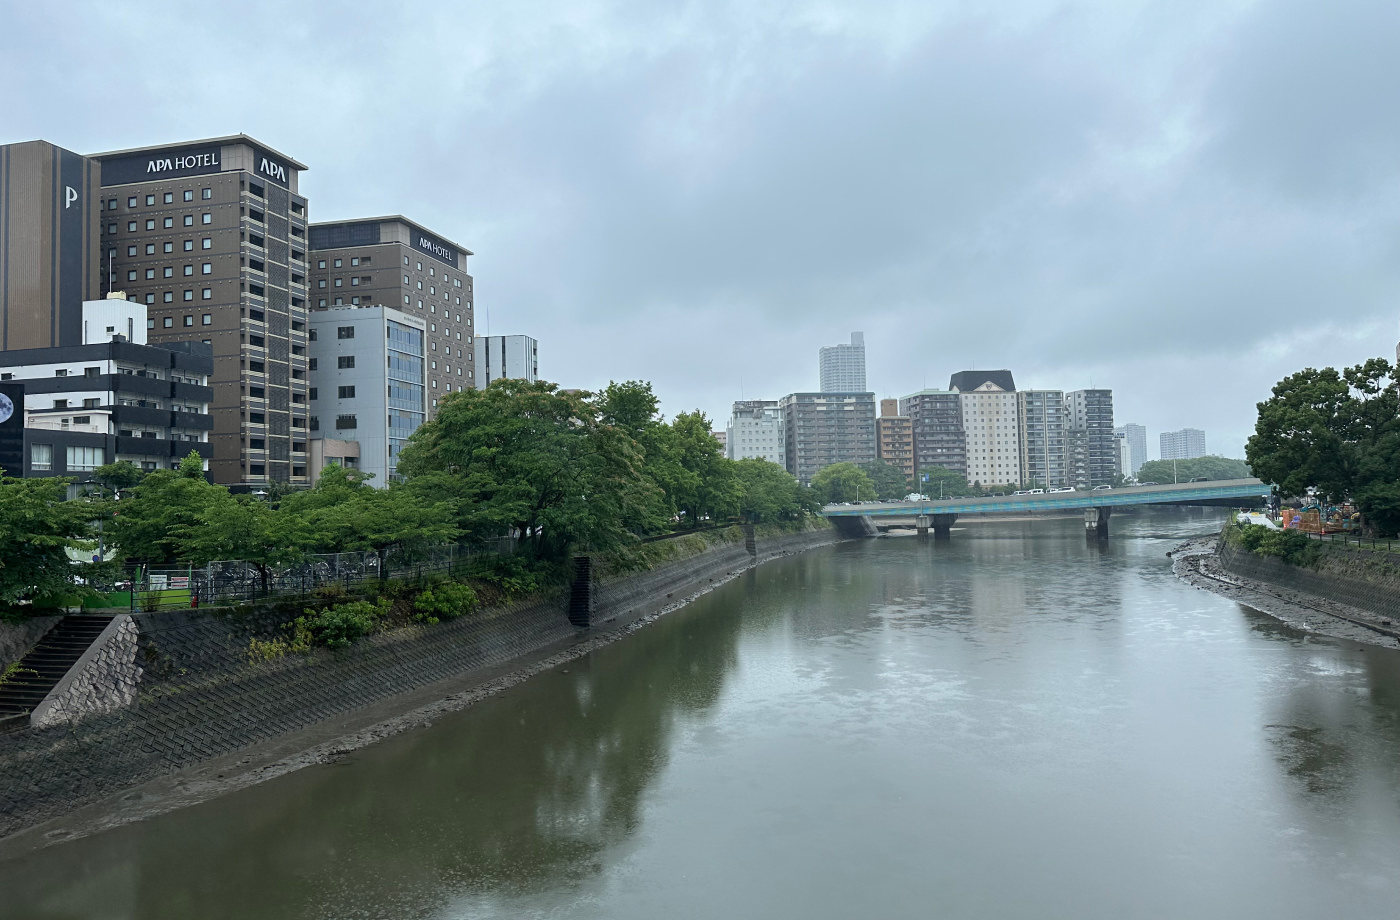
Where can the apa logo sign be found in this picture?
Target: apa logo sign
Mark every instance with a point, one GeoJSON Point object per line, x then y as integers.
{"type": "Point", "coordinates": [70, 196]}
{"type": "Point", "coordinates": [273, 170]}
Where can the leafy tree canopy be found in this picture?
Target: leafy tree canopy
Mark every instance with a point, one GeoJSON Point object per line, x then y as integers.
{"type": "Point", "coordinates": [843, 482]}
{"type": "Point", "coordinates": [1211, 466]}
{"type": "Point", "coordinates": [889, 480]}
{"type": "Point", "coordinates": [771, 493]}
{"type": "Point", "coordinates": [939, 481]}
{"type": "Point", "coordinates": [149, 523]}
{"type": "Point", "coordinates": [37, 526]}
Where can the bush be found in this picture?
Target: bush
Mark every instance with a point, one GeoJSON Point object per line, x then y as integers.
{"type": "Point", "coordinates": [338, 626]}
{"type": "Point", "coordinates": [1292, 546]}
{"type": "Point", "coordinates": [445, 601]}
{"type": "Point", "coordinates": [511, 574]}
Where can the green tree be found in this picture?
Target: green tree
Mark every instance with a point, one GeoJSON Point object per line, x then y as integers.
{"type": "Point", "coordinates": [37, 527]}
{"type": "Point", "coordinates": [843, 482]}
{"type": "Point", "coordinates": [535, 461]}
{"type": "Point", "coordinates": [118, 477]}
{"type": "Point", "coordinates": [147, 525]}
{"type": "Point", "coordinates": [890, 481]}
{"type": "Point", "coordinates": [1211, 466]}
{"type": "Point", "coordinates": [771, 493]}
{"type": "Point", "coordinates": [939, 481]}
{"type": "Point", "coordinates": [712, 489]}
{"type": "Point", "coordinates": [242, 527]}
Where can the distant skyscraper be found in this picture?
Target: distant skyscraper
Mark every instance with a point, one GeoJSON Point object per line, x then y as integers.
{"type": "Point", "coordinates": [843, 366]}
{"type": "Point", "coordinates": [1042, 442]}
{"type": "Point", "coordinates": [1136, 436]}
{"type": "Point", "coordinates": [895, 438]}
{"type": "Point", "coordinates": [1183, 444]}
{"type": "Point", "coordinates": [505, 356]}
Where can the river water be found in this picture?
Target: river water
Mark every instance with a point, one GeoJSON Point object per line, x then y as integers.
{"type": "Point", "coordinates": [1015, 723]}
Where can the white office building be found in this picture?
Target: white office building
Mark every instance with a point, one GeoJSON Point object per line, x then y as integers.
{"type": "Point", "coordinates": [1136, 437]}
{"type": "Point", "coordinates": [506, 356]}
{"type": "Point", "coordinates": [991, 425]}
{"type": "Point", "coordinates": [367, 384]}
{"type": "Point", "coordinates": [1183, 444]}
{"type": "Point", "coordinates": [843, 366]}
{"type": "Point", "coordinates": [755, 430]}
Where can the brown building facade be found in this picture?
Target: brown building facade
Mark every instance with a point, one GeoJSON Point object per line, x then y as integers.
{"type": "Point", "coordinates": [212, 236]}
{"type": "Point", "coordinates": [49, 205]}
{"type": "Point", "coordinates": [397, 263]}
{"type": "Point", "coordinates": [894, 436]}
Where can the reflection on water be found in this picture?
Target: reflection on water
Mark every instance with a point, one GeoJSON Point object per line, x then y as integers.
{"type": "Point", "coordinates": [1017, 722]}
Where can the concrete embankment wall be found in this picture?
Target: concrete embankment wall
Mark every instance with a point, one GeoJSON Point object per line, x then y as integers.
{"type": "Point", "coordinates": [202, 697]}
{"type": "Point", "coordinates": [1363, 579]}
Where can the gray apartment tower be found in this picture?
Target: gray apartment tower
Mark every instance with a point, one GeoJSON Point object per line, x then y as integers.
{"type": "Point", "coordinates": [1136, 436]}
{"type": "Point", "coordinates": [397, 263]}
{"type": "Point", "coordinates": [937, 422]}
{"type": "Point", "coordinates": [825, 428]}
{"type": "Point", "coordinates": [50, 199]}
{"type": "Point", "coordinates": [843, 366]}
{"type": "Point", "coordinates": [506, 356]}
{"type": "Point", "coordinates": [211, 236]}
{"type": "Point", "coordinates": [1042, 443]}
{"type": "Point", "coordinates": [1090, 448]}
{"type": "Point", "coordinates": [1183, 444]}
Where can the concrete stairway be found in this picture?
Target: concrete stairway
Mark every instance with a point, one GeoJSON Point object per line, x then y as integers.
{"type": "Point", "coordinates": [47, 662]}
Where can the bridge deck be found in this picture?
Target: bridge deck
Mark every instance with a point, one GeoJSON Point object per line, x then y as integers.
{"type": "Point", "coordinates": [1181, 494]}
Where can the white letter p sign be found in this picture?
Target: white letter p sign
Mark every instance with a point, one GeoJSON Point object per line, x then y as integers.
{"type": "Point", "coordinates": [70, 195]}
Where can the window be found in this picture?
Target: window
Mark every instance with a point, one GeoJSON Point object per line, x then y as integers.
{"type": "Point", "coordinates": [256, 393]}
{"type": "Point", "coordinates": [320, 263]}
{"type": "Point", "coordinates": [345, 332]}
{"type": "Point", "coordinates": [206, 218]}
{"type": "Point", "coordinates": [131, 202]}
{"type": "Point", "coordinates": [168, 272]}
{"type": "Point", "coordinates": [321, 283]}
{"type": "Point", "coordinates": [256, 444]}
{"type": "Point", "coordinates": [345, 361]}
{"type": "Point", "coordinates": [206, 294]}
{"type": "Point", "coordinates": [189, 270]}
{"type": "Point", "coordinates": [208, 318]}
{"type": "Point", "coordinates": [311, 363]}
{"type": "Point", "coordinates": [131, 275]}
{"type": "Point", "coordinates": [189, 245]}
{"type": "Point", "coordinates": [169, 247]}
{"type": "Point", "coordinates": [355, 261]}
{"type": "Point", "coordinates": [61, 372]}
{"type": "Point", "coordinates": [60, 404]}
{"type": "Point", "coordinates": [354, 282]}
{"type": "Point", "coordinates": [257, 469]}
{"type": "Point", "coordinates": [169, 197]}
{"type": "Point", "coordinates": [206, 243]}
{"type": "Point", "coordinates": [256, 418]}
{"type": "Point", "coordinates": [84, 459]}
{"type": "Point", "coordinates": [150, 200]}
{"type": "Point", "coordinates": [346, 392]}
{"type": "Point", "coordinates": [150, 224]}
{"type": "Point", "coordinates": [420, 266]}
{"type": "Point", "coordinates": [345, 421]}
{"type": "Point", "coordinates": [257, 190]}
{"type": "Point", "coordinates": [169, 297]}
{"type": "Point", "coordinates": [168, 223]}
{"type": "Point", "coordinates": [189, 220]}
{"type": "Point", "coordinates": [256, 340]}
{"type": "Point", "coordinates": [189, 194]}
{"type": "Point", "coordinates": [206, 194]}
{"type": "Point", "coordinates": [131, 250]}
{"type": "Point", "coordinates": [41, 456]}
{"type": "Point", "coordinates": [189, 320]}
{"type": "Point", "coordinates": [111, 228]}
{"type": "Point", "coordinates": [313, 392]}
{"type": "Point", "coordinates": [150, 298]}
{"type": "Point", "coordinates": [338, 263]}
{"type": "Point", "coordinates": [131, 226]}
{"type": "Point", "coordinates": [339, 282]}
{"type": "Point", "coordinates": [207, 268]}
{"type": "Point", "coordinates": [82, 419]}
{"type": "Point", "coordinates": [168, 322]}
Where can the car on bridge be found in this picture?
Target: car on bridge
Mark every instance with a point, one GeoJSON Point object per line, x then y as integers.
{"type": "Point", "coordinates": [1101, 488]}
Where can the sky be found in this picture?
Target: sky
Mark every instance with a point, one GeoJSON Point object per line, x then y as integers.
{"type": "Point", "coordinates": [1184, 202]}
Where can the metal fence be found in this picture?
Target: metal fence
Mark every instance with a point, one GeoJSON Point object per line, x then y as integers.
{"type": "Point", "coordinates": [1354, 540]}
{"type": "Point", "coordinates": [222, 584]}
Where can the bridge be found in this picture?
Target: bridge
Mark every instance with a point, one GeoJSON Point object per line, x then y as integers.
{"type": "Point", "coordinates": [856, 520]}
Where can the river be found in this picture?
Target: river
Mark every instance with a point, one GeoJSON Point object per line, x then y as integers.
{"type": "Point", "coordinates": [1015, 723]}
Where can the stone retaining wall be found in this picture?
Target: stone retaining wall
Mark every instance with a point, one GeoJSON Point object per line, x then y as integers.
{"type": "Point", "coordinates": [16, 639]}
{"type": "Point", "coordinates": [103, 679]}
{"type": "Point", "coordinates": [1360, 578]}
{"type": "Point", "coordinates": [202, 697]}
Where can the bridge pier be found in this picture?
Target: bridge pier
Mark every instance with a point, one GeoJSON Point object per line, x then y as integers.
{"type": "Point", "coordinates": [943, 526]}
{"type": "Point", "coordinates": [921, 525]}
{"type": "Point", "coordinates": [1096, 523]}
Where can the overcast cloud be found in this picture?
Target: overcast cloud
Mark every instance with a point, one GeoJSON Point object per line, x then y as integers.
{"type": "Point", "coordinates": [1181, 201]}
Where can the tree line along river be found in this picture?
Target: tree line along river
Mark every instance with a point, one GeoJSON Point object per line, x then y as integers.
{"type": "Point", "coordinates": [1014, 723]}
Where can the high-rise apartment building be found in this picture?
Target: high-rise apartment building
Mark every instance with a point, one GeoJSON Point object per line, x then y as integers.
{"type": "Point", "coordinates": [991, 424]}
{"type": "Point", "coordinates": [506, 356]}
{"type": "Point", "coordinates": [368, 383]}
{"type": "Point", "coordinates": [1183, 444]}
{"type": "Point", "coordinates": [50, 199]}
{"type": "Point", "coordinates": [895, 438]}
{"type": "Point", "coordinates": [755, 430]}
{"type": "Point", "coordinates": [1136, 438]}
{"type": "Point", "coordinates": [935, 417]}
{"type": "Point", "coordinates": [397, 263]}
{"type": "Point", "coordinates": [825, 428]}
{"type": "Point", "coordinates": [1091, 412]}
{"type": "Point", "coordinates": [1042, 444]}
{"type": "Point", "coordinates": [211, 236]}
{"type": "Point", "coordinates": [843, 366]}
